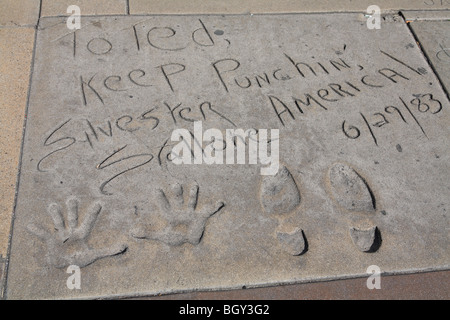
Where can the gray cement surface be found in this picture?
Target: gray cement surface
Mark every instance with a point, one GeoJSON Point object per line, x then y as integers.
{"type": "Point", "coordinates": [412, 15]}
{"type": "Point", "coordinates": [363, 146]}
{"type": "Point", "coordinates": [434, 37]}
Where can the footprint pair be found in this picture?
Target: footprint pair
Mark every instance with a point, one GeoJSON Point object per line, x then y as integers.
{"type": "Point", "coordinates": [280, 196]}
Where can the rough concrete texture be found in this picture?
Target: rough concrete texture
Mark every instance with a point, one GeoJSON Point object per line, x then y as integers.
{"type": "Point", "coordinates": [87, 7]}
{"type": "Point", "coordinates": [16, 46]}
{"type": "Point", "coordinates": [419, 286]}
{"type": "Point", "coordinates": [279, 6]}
{"type": "Point", "coordinates": [426, 15]}
{"type": "Point", "coordinates": [19, 13]}
{"type": "Point", "coordinates": [363, 239]}
{"type": "Point", "coordinates": [99, 187]}
{"type": "Point", "coordinates": [434, 37]}
{"type": "Point", "coordinates": [2, 278]}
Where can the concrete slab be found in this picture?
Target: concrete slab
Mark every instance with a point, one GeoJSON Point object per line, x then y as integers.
{"type": "Point", "coordinates": [280, 6]}
{"type": "Point", "coordinates": [87, 7]}
{"type": "Point", "coordinates": [434, 37]}
{"type": "Point", "coordinates": [363, 173]}
{"type": "Point", "coordinates": [16, 48]}
{"type": "Point", "coordinates": [426, 15]}
{"type": "Point", "coordinates": [19, 13]}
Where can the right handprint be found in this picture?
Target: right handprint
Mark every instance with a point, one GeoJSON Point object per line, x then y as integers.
{"type": "Point", "coordinates": [185, 221]}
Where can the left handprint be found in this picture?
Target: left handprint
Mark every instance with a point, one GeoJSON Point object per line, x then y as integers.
{"type": "Point", "coordinates": [68, 244]}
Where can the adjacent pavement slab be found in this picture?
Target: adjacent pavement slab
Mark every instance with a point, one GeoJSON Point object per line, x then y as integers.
{"type": "Point", "coordinates": [19, 13]}
{"type": "Point", "coordinates": [16, 48]}
{"type": "Point", "coordinates": [426, 15]}
{"type": "Point", "coordinates": [87, 7]}
{"type": "Point", "coordinates": [363, 141]}
{"type": "Point", "coordinates": [279, 6]}
{"type": "Point", "coordinates": [434, 37]}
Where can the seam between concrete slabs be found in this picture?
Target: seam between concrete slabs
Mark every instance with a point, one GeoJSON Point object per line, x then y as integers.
{"type": "Point", "coordinates": [393, 12]}
{"type": "Point", "coordinates": [219, 14]}
{"type": "Point", "coordinates": [40, 12]}
{"type": "Point", "coordinates": [215, 14]}
{"type": "Point", "coordinates": [274, 285]}
{"type": "Point", "coordinates": [424, 53]}
{"type": "Point", "coordinates": [388, 11]}
{"type": "Point", "coordinates": [264, 285]}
